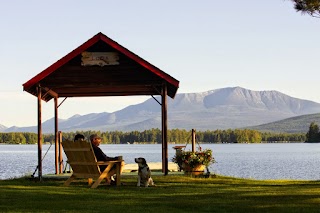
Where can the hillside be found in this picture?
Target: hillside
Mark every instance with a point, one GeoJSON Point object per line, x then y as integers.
{"type": "Point", "coordinates": [298, 124]}
{"type": "Point", "coordinates": [232, 107]}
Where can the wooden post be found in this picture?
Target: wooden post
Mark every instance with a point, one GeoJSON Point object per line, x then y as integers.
{"type": "Point", "coordinates": [193, 132]}
{"type": "Point", "coordinates": [39, 134]}
{"type": "Point", "coordinates": [60, 152]}
{"type": "Point", "coordinates": [56, 141]}
{"type": "Point", "coordinates": [164, 130]}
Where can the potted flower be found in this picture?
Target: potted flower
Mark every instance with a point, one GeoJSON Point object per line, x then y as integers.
{"type": "Point", "coordinates": [193, 162]}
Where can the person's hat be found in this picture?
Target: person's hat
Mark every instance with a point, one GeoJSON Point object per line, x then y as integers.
{"type": "Point", "coordinates": [93, 136]}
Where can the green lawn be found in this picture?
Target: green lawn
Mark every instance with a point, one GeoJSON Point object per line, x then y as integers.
{"type": "Point", "coordinates": [173, 193]}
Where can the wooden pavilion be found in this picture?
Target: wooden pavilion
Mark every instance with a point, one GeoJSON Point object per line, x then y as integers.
{"type": "Point", "coordinates": [99, 67]}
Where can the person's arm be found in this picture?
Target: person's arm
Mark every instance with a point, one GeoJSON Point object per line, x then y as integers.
{"type": "Point", "coordinates": [100, 154]}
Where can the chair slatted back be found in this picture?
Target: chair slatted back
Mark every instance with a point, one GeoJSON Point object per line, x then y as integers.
{"type": "Point", "coordinates": [81, 158]}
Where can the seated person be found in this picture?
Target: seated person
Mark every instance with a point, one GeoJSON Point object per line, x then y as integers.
{"type": "Point", "coordinates": [101, 156]}
{"type": "Point", "coordinates": [78, 137]}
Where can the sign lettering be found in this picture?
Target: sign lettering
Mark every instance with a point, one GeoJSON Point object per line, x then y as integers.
{"type": "Point", "coordinates": [99, 58]}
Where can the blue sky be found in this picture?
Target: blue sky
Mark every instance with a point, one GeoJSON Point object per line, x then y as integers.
{"type": "Point", "coordinates": [206, 45]}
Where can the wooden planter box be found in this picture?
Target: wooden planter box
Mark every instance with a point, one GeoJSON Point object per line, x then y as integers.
{"type": "Point", "coordinates": [196, 171]}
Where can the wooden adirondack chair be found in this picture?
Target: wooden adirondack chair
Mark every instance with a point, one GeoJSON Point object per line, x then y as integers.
{"type": "Point", "coordinates": [84, 163]}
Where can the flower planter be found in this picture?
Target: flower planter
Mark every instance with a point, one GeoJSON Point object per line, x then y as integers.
{"type": "Point", "coordinates": [193, 163]}
{"type": "Point", "coordinates": [196, 171]}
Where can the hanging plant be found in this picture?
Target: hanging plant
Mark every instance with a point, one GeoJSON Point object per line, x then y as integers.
{"type": "Point", "coordinates": [193, 159]}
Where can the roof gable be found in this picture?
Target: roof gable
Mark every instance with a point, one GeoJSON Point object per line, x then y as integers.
{"type": "Point", "coordinates": [133, 74]}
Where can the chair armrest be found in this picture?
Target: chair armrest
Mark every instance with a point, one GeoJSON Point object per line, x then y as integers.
{"type": "Point", "coordinates": [108, 162]}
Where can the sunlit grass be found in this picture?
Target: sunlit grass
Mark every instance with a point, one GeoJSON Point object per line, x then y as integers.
{"type": "Point", "coordinates": [173, 193]}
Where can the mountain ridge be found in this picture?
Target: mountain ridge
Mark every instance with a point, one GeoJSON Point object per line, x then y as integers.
{"type": "Point", "coordinates": [224, 108]}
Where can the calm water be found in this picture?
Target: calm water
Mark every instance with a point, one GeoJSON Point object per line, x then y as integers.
{"type": "Point", "coordinates": [257, 161]}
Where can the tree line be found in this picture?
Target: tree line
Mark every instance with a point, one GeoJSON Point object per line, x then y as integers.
{"type": "Point", "coordinates": [179, 136]}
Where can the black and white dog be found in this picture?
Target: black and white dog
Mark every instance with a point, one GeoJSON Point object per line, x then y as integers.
{"type": "Point", "coordinates": [144, 173]}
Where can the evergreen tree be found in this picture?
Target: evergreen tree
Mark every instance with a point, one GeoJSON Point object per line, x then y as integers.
{"type": "Point", "coordinates": [311, 7]}
{"type": "Point", "coordinates": [313, 133]}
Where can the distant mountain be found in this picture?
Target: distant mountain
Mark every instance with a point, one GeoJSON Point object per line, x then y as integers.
{"type": "Point", "coordinates": [2, 128]}
{"type": "Point", "coordinates": [232, 107]}
{"type": "Point", "coordinates": [298, 124]}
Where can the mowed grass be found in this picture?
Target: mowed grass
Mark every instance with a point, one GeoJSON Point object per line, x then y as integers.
{"type": "Point", "coordinates": [173, 193]}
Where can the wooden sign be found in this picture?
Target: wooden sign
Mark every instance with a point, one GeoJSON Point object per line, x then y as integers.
{"type": "Point", "coordinates": [99, 58]}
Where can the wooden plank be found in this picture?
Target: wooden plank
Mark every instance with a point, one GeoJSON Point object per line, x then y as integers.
{"type": "Point", "coordinates": [78, 149]}
{"type": "Point", "coordinates": [81, 163]}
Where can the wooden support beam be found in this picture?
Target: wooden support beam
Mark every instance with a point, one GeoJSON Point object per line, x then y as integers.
{"type": "Point", "coordinates": [56, 139]}
{"type": "Point", "coordinates": [39, 134]}
{"type": "Point", "coordinates": [50, 92]}
{"type": "Point", "coordinates": [164, 130]}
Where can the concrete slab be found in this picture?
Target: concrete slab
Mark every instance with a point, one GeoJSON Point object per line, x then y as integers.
{"type": "Point", "coordinates": [172, 167]}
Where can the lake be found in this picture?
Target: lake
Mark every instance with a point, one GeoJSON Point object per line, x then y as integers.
{"type": "Point", "coordinates": [296, 161]}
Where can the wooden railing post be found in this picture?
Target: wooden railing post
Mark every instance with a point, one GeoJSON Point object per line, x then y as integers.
{"type": "Point", "coordinates": [193, 132]}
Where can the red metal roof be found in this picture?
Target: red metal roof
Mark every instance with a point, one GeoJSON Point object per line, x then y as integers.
{"type": "Point", "coordinates": [134, 75]}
